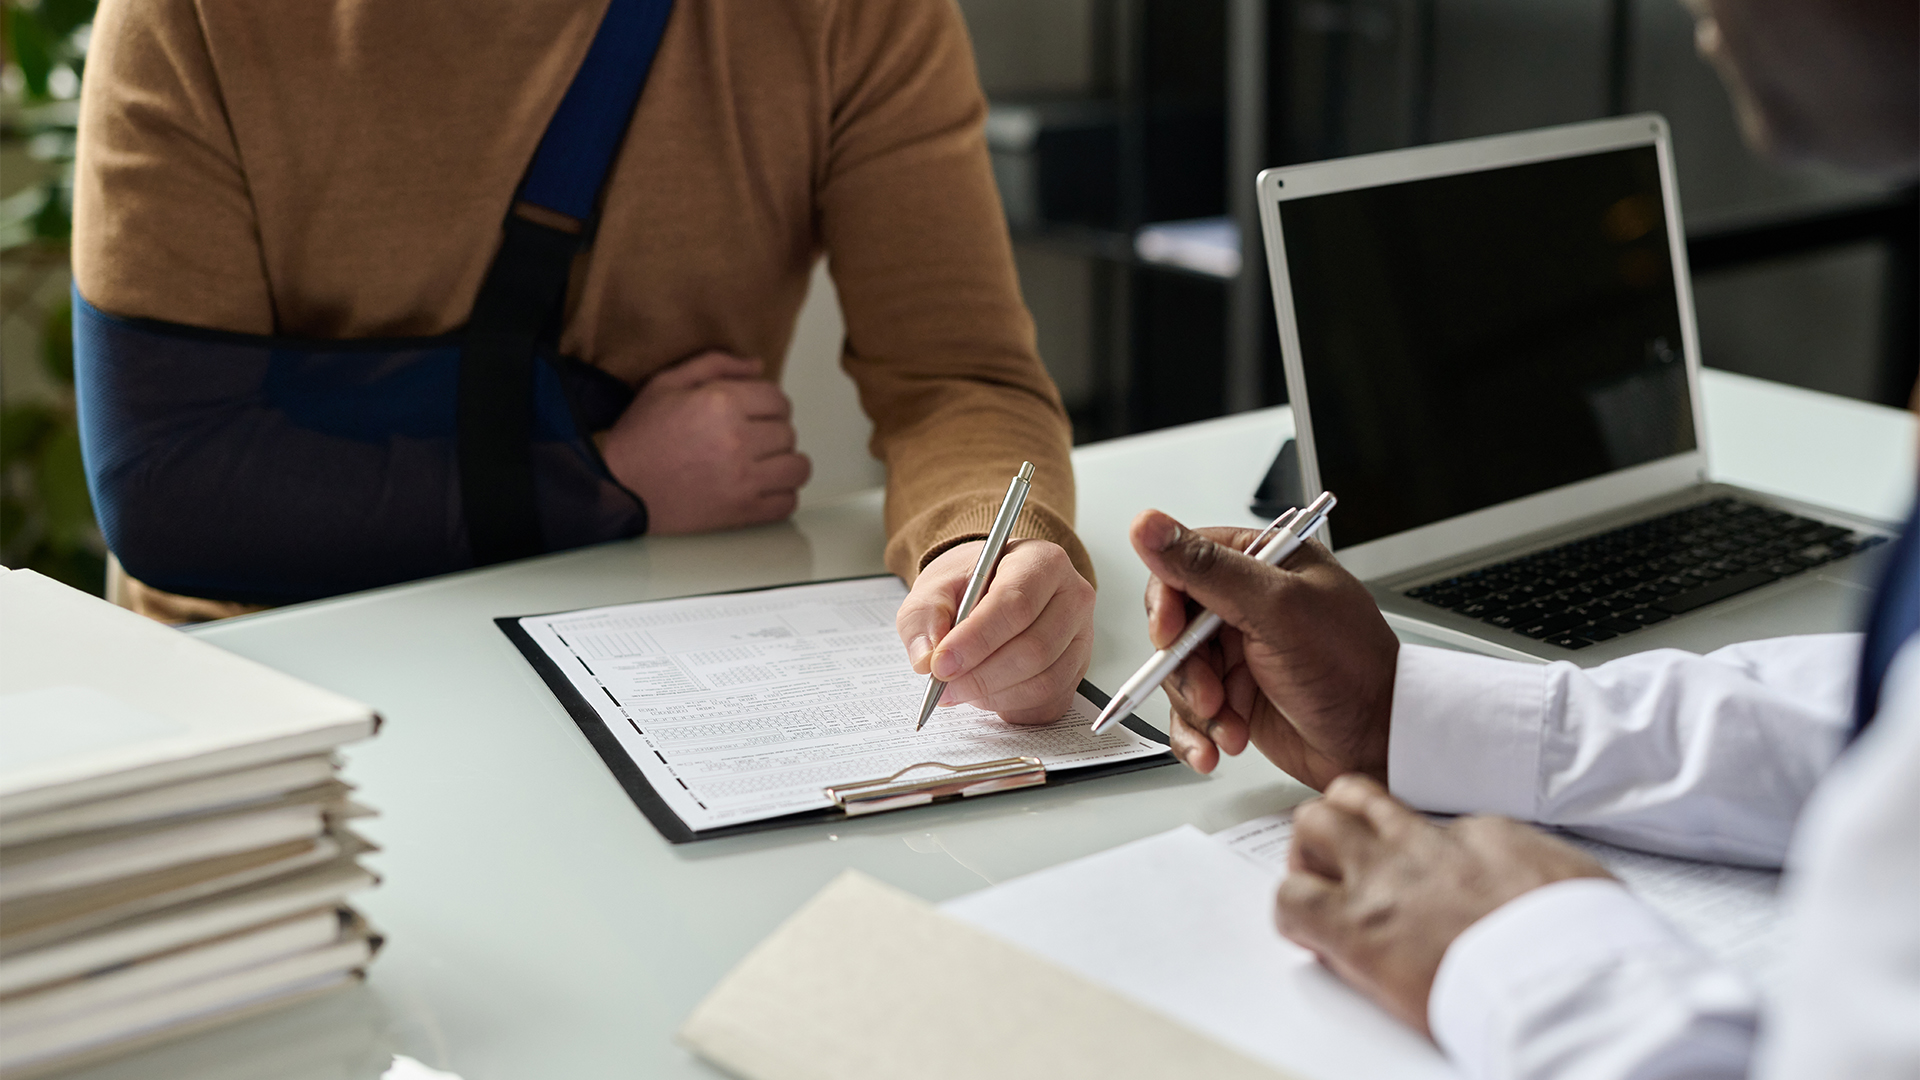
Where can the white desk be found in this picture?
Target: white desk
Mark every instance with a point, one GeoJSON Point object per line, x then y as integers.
{"type": "Point", "coordinates": [538, 926]}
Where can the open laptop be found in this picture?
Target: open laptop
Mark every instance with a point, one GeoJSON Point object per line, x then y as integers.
{"type": "Point", "coordinates": [1491, 356]}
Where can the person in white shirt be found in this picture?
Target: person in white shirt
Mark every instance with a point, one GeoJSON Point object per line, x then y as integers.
{"type": "Point", "coordinates": [1517, 953]}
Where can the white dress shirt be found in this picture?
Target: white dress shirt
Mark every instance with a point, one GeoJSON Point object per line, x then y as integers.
{"type": "Point", "coordinates": [1729, 757]}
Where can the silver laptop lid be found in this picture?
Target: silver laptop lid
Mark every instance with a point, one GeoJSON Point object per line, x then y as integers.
{"type": "Point", "coordinates": [1488, 338]}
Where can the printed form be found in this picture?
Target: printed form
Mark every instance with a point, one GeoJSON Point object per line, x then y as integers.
{"type": "Point", "coordinates": [746, 706]}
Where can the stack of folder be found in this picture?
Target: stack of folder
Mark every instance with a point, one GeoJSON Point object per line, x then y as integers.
{"type": "Point", "coordinates": [176, 848]}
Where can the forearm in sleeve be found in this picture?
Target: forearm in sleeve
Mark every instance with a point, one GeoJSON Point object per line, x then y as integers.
{"type": "Point", "coordinates": [1701, 756]}
{"type": "Point", "coordinates": [938, 339]}
{"type": "Point", "coordinates": [1579, 980]}
{"type": "Point", "coordinates": [1846, 1001]}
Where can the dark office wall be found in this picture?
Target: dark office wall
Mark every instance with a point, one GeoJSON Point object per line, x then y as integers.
{"type": "Point", "coordinates": [1354, 73]}
{"type": "Point", "coordinates": [1350, 85]}
{"type": "Point", "coordinates": [1506, 65]}
{"type": "Point", "coordinates": [1044, 48]}
{"type": "Point", "coordinates": [1033, 47]}
{"type": "Point", "coordinates": [1815, 322]}
{"type": "Point", "coordinates": [1509, 65]}
{"type": "Point", "coordinates": [1059, 290]}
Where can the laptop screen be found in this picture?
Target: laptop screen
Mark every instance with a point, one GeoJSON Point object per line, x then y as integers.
{"type": "Point", "coordinates": [1476, 338]}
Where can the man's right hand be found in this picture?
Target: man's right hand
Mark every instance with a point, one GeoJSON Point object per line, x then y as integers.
{"type": "Point", "coordinates": [709, 444]}
{"type": "Point", "coordinates": [1303, 668]}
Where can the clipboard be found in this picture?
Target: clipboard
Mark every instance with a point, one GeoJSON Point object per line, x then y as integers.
{"type": "Point", "coordinates": [918, 785]}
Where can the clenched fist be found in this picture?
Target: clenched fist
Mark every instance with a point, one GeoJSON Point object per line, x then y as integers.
{"type": "Point", "coordinates": [709, 444]}
{"type": "Point", "coordinates": [1379, 893]}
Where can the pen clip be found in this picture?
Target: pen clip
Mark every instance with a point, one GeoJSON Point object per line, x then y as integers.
{"type": "Point", "coordinates": [1282, 521]}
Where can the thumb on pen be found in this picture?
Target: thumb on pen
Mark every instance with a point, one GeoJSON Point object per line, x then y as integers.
{"type": "Point", "coordinates": [926, 617]}
{"type": "Point", "coordinates": [1239, 588]}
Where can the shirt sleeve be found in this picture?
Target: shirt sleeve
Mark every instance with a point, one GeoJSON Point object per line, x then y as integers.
{"type": "Point", "coordinates": [1847, 1000]}
{"type": "Point", "coordinates": [1700, 756]}
{"type": "Point", "coordinates": [1518, 997]}
{"type": "Point", "coordinates": [938, 340]}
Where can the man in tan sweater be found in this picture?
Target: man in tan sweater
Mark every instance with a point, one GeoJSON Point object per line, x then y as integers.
{"type": "Point", "coordinates": [341, 170]}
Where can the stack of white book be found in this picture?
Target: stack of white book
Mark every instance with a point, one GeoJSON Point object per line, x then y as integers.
{"type": "Point", "coordinates": [175, 847]}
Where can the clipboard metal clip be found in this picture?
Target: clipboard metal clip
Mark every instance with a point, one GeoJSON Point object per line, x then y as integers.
{"type": "Point", "coordinates": [897, 791]}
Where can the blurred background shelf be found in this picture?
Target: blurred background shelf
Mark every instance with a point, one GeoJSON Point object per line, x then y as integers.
{"type": "Point", "coordinates": [1112, 119]}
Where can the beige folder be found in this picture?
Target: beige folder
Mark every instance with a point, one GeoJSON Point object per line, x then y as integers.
{"type": "Point", "coordinates": [870, 983]}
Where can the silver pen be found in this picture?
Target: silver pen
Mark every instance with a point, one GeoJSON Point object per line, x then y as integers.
{"type": "Point", "coordinates": [1293, 527]}
{"type": "Point", "coordinates": [982, 570]}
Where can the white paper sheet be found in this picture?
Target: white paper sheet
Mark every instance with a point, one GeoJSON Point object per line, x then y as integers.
{"type": "Point", "coordinates": [745, 706]}
{"type": "Point", "coordinates": [1182, 922]}
{"type": "Point", "coordinates": [1178, 923]}
{"type": "Point", "coordinates": [1731, 910]}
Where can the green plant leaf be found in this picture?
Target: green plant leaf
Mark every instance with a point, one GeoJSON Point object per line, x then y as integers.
{"type": "Point", "coordinates": [29, 46]}
{"type": "Point", "coordinates": [56, 344]}
{"type": "Point", "coordinates": [61, 483]}
{"type": "Point", "coordinates": [62, 17]}
{"type": "Point", "coordinates": [55, 219]}
{"type": "Point", "coordinates": [17, 214]}
{"type": "Point", "coordinates": [13, 522]}
{"type": "Point", "coordinates": [83, 569]}
{"type": "Point", "coordinates": [22, 429]}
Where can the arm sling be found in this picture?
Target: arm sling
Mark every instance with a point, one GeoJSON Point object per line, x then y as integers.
{"type": "Point", "coordinates": [270, 469]}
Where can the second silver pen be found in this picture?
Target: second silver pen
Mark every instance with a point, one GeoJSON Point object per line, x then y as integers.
{"type": "Point", "coordinates": [1163, 663]}
{"type": "Point", "coordinates": [982, 570]}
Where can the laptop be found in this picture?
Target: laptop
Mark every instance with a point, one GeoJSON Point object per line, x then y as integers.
{"type": "Point", "coordinates": [1491, 356]}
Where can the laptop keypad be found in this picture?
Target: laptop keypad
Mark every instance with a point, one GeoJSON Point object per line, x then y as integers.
{"type": "Point", "coordinates": [1616, 582]}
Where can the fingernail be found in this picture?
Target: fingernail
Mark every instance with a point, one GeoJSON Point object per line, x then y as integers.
{"type": "Point", "coordinates": [946, 665]}
{"type": "Point", "coordinates": [1161, 532]}
{"type": "Point", "coordinates": [918, 649]}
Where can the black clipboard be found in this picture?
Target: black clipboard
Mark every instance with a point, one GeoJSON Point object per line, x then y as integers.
{"type": "Point", "coordinates": [669, 824]}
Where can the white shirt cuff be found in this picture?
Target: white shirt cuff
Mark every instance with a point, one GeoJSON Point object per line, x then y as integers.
{"type": "Point", "coordinates": [1496, 971]}
{"type": "Point", "coordinates": [1466, 732]}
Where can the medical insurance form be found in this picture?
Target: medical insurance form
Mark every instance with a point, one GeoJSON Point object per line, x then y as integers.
{"type": "Point", "coordinates": [744, 707]}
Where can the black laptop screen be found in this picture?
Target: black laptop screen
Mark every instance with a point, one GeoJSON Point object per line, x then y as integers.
{"type": "Point", "coordinates": [1477, 338]}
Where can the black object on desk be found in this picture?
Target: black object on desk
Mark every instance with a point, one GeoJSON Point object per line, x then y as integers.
{"type": "Point", "coordinates": [1280, 490]}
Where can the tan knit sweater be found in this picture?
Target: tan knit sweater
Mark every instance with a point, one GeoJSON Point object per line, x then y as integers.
{"type": "Point", "coordinates": [341, 168]}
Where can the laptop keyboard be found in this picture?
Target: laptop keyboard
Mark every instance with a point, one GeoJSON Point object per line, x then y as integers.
{"type": "Point", "coordinates": [1614, 583]}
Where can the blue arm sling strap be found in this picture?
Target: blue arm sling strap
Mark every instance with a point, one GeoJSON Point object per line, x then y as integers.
{"type": "Point", "coordinates": [271, 469]}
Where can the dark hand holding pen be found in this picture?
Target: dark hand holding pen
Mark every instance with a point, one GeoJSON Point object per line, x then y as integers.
{"type": "Point", "coordinates": [1303, 668]}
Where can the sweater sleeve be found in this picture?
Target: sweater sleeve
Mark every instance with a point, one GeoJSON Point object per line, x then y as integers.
{"type": "Point", "coordinates": [938, 340]}
{"type": "Point", "coordinates": [164, 227]}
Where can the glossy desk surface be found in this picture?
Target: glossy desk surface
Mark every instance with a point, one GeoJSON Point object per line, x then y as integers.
{"type": "Point", "coordinates": [539, 927]}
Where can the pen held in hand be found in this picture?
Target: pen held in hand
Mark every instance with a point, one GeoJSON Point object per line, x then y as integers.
{"type": "Point", "coordinates": [1293, 528]}
{"type": "Point", "coordinates": [982, 570]}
